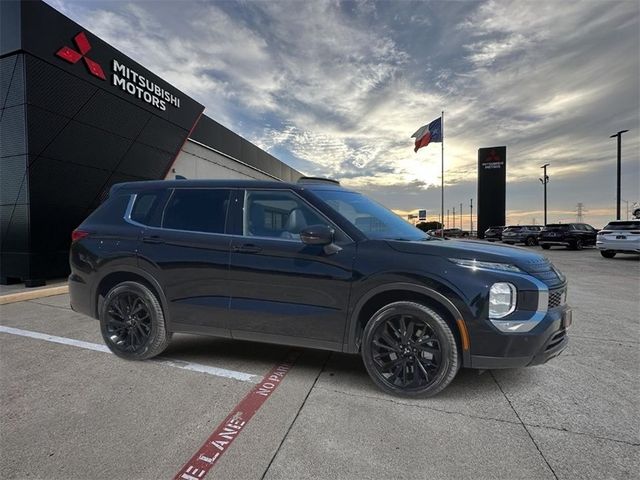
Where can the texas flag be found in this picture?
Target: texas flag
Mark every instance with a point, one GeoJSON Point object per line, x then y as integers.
{"type": "Point", "coordinates": [428, 133]}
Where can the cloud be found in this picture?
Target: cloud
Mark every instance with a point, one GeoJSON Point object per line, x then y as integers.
{"type": "Point", "coordinates": [336, 88]}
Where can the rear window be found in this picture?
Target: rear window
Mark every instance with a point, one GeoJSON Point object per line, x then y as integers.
{"type": "Point", "coordinates": [513, 229]}
{"type": "Point", "coordinates": [630, 225]}
{"type": "Point", "coordinates": [197, 210]}
{"type": "Point", "coordinates": [111, 211]}
{"type": "Point", "coordinates": [564, 227]}
{"type": "Point", "coordinates": [147, 208]}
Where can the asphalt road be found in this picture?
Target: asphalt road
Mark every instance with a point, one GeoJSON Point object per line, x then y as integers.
{"type": "Point", "coordinates": [68, 411]}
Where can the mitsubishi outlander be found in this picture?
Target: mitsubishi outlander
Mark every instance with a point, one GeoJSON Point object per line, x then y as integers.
{"type": "Point", "coordinates": [310, 264]}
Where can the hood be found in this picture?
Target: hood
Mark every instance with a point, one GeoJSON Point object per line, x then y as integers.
{"type": "Point", "coordinates": [523, 258]}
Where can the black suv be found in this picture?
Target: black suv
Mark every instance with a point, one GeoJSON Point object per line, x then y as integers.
{"type": "Point", "coordinates": [312, 265]}
{"type": "Point", "coordinates": [571, 235]}
{"type": "Point", "coordinates": [493, 234]}
{"type": "Point", "coordinates": [527, 234]}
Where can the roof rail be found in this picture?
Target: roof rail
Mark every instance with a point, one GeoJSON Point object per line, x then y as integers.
{"type": "Point", "coordinates": [317, 180]}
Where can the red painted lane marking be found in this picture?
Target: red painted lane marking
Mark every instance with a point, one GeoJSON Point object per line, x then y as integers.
{"type": "Point", "coordinates": [224, 435]}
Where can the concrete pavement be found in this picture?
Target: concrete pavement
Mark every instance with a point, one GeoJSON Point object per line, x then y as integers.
{"type": "Point", "coordinates": [73, 413]}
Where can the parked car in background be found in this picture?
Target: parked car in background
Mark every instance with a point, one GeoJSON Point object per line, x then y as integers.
{"type": "Point", "coordinates": [619, 236]}
{"type": "Point", "coordinates": [454, 232]}
{"type": "Point", "coordinates": [571, 235]}
{"type": "Point", "coordinates": [493, 234]}
{"type": "Point", "coordinates": [527, 234]}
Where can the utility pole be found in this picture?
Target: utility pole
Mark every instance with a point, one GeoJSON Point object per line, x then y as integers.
{"type": "Point", "coordinates": [461, 216]}
{"type": "Point", "coordinates": [580, 211]}
{"type": "Point", "coordinates": [618, 169]}
{"type": "Point", "coordinates": [470, 215]}
{"type": "Point", "coordinates": [544, 180]}
{"type": "Point", "coordinates": [454, 217]}
{"type": "Point", "coordinates": [447, 218]}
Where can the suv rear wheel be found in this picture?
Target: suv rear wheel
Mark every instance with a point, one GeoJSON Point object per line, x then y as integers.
{"type": "Point", "coordinates": [409, 349]}
{"type": "Point", "coordinates": [132, 322]}
{"type": "Point", "coordinates": [607, 253]}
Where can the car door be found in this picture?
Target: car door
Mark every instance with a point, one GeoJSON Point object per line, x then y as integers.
{"type": "Point", "coordinates": [282, 290]}
{"type": "Point", "coordinates": [186, 249]}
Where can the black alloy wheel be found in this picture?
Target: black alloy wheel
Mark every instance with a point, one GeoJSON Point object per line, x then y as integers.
{"type": "Point", "coordinates": [132, 322]}
{"type": "Point", "coordinates": [577, 244]}
{"type": "Point", "coordinates": [128, 322]}
{"type": "Point", "coordinates": [409, 349]}
{"type": "Point", "coordinates": [530, 242]}
{"type": "Point", "coordinates": [607, 253]}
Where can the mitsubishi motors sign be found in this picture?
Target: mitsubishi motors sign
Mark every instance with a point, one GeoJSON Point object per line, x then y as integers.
{"type": "Point", "coordinates": [66, 45]}
{"type": "Point", "coordinates": [141, 87]}
{"type": "Point", "coordinates": [122, 76]}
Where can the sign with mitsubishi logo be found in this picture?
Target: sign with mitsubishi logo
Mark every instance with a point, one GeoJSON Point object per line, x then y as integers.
{"type": "Point", "coordinates": [122, 76]}
{"type": "Point", "coordinates": [492, 178]}
{"type": "Point", "coordinates": [69, 47]}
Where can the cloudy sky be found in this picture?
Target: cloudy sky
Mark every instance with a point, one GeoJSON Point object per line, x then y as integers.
{"type": "Point", "coordinates": [337, 88]}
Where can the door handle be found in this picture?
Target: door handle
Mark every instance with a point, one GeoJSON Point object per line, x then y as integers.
{"type": "Point", "coordinates": [152, 239]}
{"type": "Point", "coordinates": [246, 248]}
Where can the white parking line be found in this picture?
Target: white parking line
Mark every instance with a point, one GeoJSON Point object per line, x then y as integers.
{"type": "Point", "coordinates": [191, 366]}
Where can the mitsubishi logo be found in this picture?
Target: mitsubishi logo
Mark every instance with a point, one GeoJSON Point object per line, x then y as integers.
{"type": "Point", "coordinates": [72, 56]}
{"type": "Point", "coordinates": [493, 157]}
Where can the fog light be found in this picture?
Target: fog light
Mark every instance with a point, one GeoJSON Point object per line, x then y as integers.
{"type": "Point", "coordinates": [502, 299]}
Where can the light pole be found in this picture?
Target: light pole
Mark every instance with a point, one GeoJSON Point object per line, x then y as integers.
{"type": "Point", "coordinates": [544, 180]}
{"type": "Point", "coordinates": [471, 215]}
{"type": "Point", "coordinates": [454, 217]}
{"type": "Point", "coordinates": [447, 218]}
{"type": "Point", "coordinates": [619, 136]}
{"type": "Point", "coordinates": [461, 216]}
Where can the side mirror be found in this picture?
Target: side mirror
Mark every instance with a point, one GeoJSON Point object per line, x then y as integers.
{"type": "Point", "coordinates": [317, 235]}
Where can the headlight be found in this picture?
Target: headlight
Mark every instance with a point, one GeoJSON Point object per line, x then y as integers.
{"type": "Point", "coordinates": [474, 264]}
{"type": "Point", "coordinates": [502, 299]}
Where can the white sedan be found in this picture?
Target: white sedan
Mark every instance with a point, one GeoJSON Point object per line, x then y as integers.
{"type": "Point", "coordinates": [619, 236]}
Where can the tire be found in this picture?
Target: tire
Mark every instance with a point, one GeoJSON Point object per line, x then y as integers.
{"type": "Point", "coordinates": [545, 246]}
{"type": "Point", "coordinates": [134, 337]}
{"type": "Point", "coordinates": [607, 253]}
{"type": "Point", "coordinates": [577, 244]}
{"type": "Point", "coordinates": [396, 336]}
{"type": "Point", "coordinates": [530, 242]}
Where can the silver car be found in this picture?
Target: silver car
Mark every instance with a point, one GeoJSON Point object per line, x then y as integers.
{"type": "Point", "coordinates": [619, 236]}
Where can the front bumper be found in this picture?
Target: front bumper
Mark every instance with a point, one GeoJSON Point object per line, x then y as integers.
{"type": "Point", "coordinates": [546, 341]}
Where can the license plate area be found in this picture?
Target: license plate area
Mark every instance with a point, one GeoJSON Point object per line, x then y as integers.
{"type": "Point", "coordinates": [567, 318]}
{"type": "Point", "coordinates": [621, 237]}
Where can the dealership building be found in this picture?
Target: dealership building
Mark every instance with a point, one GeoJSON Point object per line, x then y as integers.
{"type": "Point", "coordinates": [78, 116]}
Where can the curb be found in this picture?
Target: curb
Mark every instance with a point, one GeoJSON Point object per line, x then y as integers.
{"type": "Point", "coordinates": [33, 294]}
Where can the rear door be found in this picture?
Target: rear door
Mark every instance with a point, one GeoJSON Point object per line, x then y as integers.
{"type": "Point", "coordinates": [186, 248]}
{"type": "Point", "coordinates": [282, 290]}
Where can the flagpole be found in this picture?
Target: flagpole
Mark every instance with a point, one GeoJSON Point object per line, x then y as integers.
{"type": "Point", "coordinates": [442, 176]}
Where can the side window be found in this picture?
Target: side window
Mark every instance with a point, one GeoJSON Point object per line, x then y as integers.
{"type": "Point", "coordinates": [197, 210]}
{"type": "Point", "coordinates": [278, 214]}
{"type": "Point", "coordinates": [147, 208]}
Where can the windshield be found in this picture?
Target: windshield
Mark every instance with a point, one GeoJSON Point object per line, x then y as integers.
{"type": "Point", "coordinates": [371, 218]}
{"type": "Point", "coordinates": [630, 225]}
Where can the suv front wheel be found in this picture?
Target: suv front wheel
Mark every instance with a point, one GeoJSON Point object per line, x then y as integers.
{"type": "Point", "coordinates": [132, 322]}
{"type": "Point", "coordinates": [409, 349]}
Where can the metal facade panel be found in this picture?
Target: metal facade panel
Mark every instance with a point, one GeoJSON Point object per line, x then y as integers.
{"type": "Point", "coordinates": [11, 81]}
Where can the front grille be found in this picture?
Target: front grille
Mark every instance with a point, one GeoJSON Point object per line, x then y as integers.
{"type": "Point", "coordinates": [556, 297]}
{"type": "Point", "coordinates": [556, 340]}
